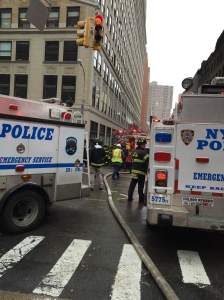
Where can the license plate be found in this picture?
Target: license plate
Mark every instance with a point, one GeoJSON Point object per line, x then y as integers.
{"type": "Point", "coordinates": [160, 199]}
{"type": "Point", "coordinates": [193, 201]}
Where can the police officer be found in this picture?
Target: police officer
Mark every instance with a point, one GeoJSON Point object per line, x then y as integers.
{"type": "Point", "coordinates": [140, 161]}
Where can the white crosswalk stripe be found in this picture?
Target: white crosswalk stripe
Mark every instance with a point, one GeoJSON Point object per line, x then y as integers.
{"type": "Point", "coordinates": [55, 281]}
{"type": "Point", "coordinates": [192, 268]}
{"type": "Point", "coordinates": [127, 280]}
{"type": "Point", "coordinates": [13, 256]}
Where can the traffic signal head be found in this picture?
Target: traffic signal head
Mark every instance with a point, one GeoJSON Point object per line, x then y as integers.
{"type": "Point", "coordinates": [83, 33]}
{"type": "Point", "coordinates": [98, 32]}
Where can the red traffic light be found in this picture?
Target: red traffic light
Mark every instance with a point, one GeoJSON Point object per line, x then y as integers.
{"type": "Point", "coordinates": [98, 33]}
{"type": "Point", "coordinates": [98, 20]}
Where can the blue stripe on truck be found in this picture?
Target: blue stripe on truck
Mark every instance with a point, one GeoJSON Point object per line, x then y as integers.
{"type": "Point", "coordinates": [39, 166]}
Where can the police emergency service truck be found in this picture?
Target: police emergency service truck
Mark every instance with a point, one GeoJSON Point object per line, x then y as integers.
{"type": "Point", "coordinates": [186, 180]}
{"type": "Point", "coordinates": [41, 152]}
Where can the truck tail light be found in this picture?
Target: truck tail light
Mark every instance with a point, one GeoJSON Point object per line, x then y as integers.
{"type": "Point", "coordinates": [20, 168]}
{"type": "Point", "coordinates": [66, 115]}
{"type": "Point", "coordinates": [162, 156]}
{"type": "Point", "coordinates": [13, 107]}
{"type": "Point", "coordinates": [161, 177]}
{"type": "Point", "coordinates": [202, 160]}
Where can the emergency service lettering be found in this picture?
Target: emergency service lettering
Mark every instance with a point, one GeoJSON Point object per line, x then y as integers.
{"type": "Point", "coordinates": [214, 140]}
{"type": "Point", "coordinates": [208, 176]}
{"type": "Point", "coordinates": [25, 160]}
{"type": "Point", "coordinates": [26, 132]}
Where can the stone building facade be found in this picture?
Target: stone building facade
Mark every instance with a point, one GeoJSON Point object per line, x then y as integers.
{"type": "Point", "coordinates": [210, 68]}
{"type": "Point", "coordinates": [105, 85]}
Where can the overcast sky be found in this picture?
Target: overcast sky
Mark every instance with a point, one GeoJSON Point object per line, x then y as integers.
{"type": "Point", "coordinates": [180, 35]}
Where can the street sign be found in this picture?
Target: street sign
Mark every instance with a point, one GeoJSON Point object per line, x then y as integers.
{"type": "Point", "coordinates": [38, 14]}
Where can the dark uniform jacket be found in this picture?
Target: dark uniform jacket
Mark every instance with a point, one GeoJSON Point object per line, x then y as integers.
{"type": "Point", "coordinates": [97, 156]}
{"type": "Point", "coordinates": [140, 161]}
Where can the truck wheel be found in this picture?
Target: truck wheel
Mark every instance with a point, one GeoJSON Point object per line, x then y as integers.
{"type": "Point", "coordinates": [23, 211]}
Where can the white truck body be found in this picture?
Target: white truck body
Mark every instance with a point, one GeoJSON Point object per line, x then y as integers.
{"type": "Point", "coordinates": [190, 154]}
{"type": "Point", "coordinates": [41, 151]}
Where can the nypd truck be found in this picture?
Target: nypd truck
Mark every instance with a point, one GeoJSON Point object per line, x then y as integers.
{"type": "Point", "coordinates": [186, 180]}
{"type": "Point", "coordinates": [41, 152]}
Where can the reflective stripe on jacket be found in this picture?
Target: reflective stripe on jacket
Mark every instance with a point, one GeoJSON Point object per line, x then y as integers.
{"type": "Point", "coordinates": [117, 156]}
{"type": "Point", "coordinates": [140, 161]}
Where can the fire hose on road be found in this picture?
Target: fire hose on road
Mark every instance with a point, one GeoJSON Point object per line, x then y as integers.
{"type": "Point", "coordinates": [163, 285]}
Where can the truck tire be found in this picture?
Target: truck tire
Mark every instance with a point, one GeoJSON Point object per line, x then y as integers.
{"type": "Point", "coordinates": [23, 211]}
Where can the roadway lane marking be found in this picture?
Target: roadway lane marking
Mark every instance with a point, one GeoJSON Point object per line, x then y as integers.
{"type": "Point", "coordinates": [192, 268]}
{"type": "Point", "coordinates": [55, 281]}
{"type": "Point", "coordinates": [13, 256]}
{"type": "Point", "coordinates": [127, 280]}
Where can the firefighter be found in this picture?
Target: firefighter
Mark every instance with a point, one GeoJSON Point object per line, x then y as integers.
{"type": "Point", "coordinates": [117, 161]}
{"type": "Point", "coordinates": [140, 161]}
{"type": "Point", "coordinates": [97, 159]}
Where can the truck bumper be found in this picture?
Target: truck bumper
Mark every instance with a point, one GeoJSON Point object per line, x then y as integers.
{"type": "Point", "coordinates": [180, 217]}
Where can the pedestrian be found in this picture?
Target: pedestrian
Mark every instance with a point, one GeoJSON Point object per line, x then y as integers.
{"type": "Point", "coordinates": [117, 161]}
{"type": "Point", "coordinates": [97, 159]}
{"type": "Point", "coordinates": [140, 161]}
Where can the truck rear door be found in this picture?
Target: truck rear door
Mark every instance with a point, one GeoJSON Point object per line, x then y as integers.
{"type": "Point", "coordinates": [70, 160]}
{"type": "Point", "coordinates": [199, 153]}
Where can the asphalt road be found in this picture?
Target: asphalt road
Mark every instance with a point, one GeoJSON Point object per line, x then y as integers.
{"type": "Point", "coordinates": [167, 248]}
{"type": "Point", "coordinates": [81, 253]}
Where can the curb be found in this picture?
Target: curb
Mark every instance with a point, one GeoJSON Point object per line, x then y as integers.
{"type": "Point", "coordinates": [160, 280]}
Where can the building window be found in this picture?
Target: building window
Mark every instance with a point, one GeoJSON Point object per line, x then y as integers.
{"type": "Point", "coordinates": [20, 87]}
{"type": "Point", "coordinates": [93, 130]}
{"type": "Point", "coordinates": [23, 21]}
{"type": "Point", "coordinates": [51, 50]}
{"type": "Point", "coordinates": [70, 51]}
{"type": "Point", "coordinates": [22, 50]}
{"type": "Point", "coordinates": [5, 50]}
{"type": "Point", "coordinates": [95, 58]}
{"type": "Point", "coordinates": [5, 17]}
{"type": "Point", "coordinates": [108, 136]}
{"type": "Point", "coordinates": [73, 14]}
{"type": "Point", "coordinates": [94, 95]}
{"type": "Point", "coordinates": [50, 86]}
{"type": "Point", "coordinates": [99, 63]}
{"type": "Point", "coordinates": [4, 84]}
{"type": "Point", "coordinates": [102, 133]}
{"type": "Point", "coordinates": [53, 19]}
{"type": "Point", "coordinates": [68, 89]}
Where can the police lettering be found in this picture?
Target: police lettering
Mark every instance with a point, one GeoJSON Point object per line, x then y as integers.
{"type": "Point", "coordinates": [26, 132]}
{"type": "Point", "coordinates": [214, 140]}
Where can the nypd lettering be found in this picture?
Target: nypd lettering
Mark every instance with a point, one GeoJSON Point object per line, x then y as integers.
{"type": "Point", "coordinates": [214, 140]}
{"type": "Point", "coordinates": [26, 132]}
